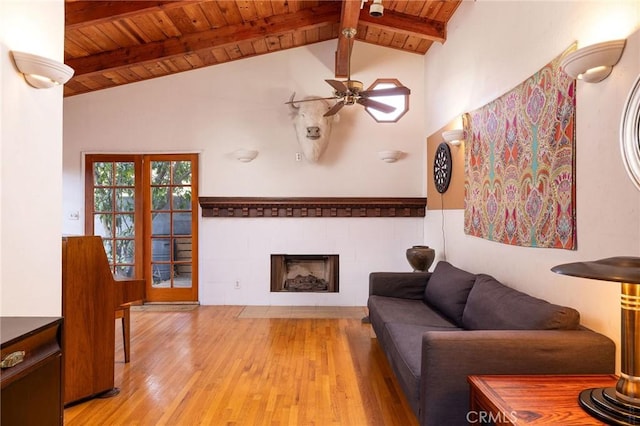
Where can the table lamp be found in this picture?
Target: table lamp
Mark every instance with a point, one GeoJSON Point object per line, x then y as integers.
{"type": "Point", "coordinates": [619, 405]}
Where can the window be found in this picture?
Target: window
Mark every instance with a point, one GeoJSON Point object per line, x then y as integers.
{"type": "Point", "coordinates": [400, 102]}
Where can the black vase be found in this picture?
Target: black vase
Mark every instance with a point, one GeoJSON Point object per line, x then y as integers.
{"type": "Point", "coordinates": [420, 257]}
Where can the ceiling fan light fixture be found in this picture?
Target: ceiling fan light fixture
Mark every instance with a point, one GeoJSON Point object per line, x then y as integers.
{"type": "Point", "coordinates": [386, 100]}
{"type": "Point", "coordinates": [354, 85]}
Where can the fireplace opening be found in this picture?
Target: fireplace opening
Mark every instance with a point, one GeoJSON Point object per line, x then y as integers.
{"type": "Point", "coordinates": [304, 273]}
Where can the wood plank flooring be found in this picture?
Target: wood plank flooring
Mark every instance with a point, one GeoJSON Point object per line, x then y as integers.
{"type": "Point", "coordinates": [303, 312]}
{"type": "Point", "coordinates": [209, 367]}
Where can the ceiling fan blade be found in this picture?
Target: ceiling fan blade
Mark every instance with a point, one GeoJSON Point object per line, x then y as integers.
{"type": "Point", "coordinates": [334, 109]}
{"type": "Point", "coordinates": [338, 85]}
{"type": "Point", "coordinates": [370, 103]}
{"type": "Point", "coordinates": [391, 91]}
{"type": "Point", "coordinates": [309, 100]}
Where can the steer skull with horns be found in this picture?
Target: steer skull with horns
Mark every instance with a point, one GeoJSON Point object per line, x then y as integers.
{"type": "Point", "coordinates": [313, 129]}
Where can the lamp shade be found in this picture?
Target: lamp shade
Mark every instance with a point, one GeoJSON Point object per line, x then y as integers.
{"type": "Point", "coordinates": [41, 72]}
{"type": "Point", "coordinates": [619, 405]}
{"type": "Point", "coordinates": [624, 269]}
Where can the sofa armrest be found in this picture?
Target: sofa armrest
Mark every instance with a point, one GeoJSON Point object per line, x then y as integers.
{"type": "Point", "coordinates": [449, 357]}
{"type": "Point", "coordinates": [405, 285]}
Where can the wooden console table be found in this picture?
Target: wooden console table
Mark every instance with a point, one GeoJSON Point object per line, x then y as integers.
{"type": "Point", "coordinates": [31, 375]}
{"type": "Point", "coordinates": [532, 400]}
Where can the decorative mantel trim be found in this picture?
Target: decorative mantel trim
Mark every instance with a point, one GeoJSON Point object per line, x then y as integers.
{"type": "Point", "coordinates": [239, 207]}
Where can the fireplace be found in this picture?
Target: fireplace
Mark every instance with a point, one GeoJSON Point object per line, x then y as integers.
{"type": "Point", "coordinates": [304, 273]}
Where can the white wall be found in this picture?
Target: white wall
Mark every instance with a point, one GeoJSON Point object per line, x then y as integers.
{"type": "Point", "coordinates": [216, 110]}
{"type": "Point", "coordinates": [30, 159]}
{"type": "Point", "coordinates": [239, 250]}
{"type": "Point", "coordinates": [493, 46]}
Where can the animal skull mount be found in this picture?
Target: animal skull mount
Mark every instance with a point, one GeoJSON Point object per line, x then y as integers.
{"type": "Point", "coordinates": [313, 129]}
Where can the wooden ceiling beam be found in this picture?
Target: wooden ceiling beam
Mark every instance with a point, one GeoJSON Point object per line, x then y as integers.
{"type": "Point", "coordinates": [85, 13]}
{"type": "Point", "coordinates": [351, 15]}
{"type": "Point", "coordinates": [348, 19]}
{"type": "Point", "coordinates": [326, 13]}
{"type": "Point", "coordinates": [407, 24]}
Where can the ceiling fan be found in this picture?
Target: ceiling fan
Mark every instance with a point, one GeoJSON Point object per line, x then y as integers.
{"type": "Point", "coordinates": [350, 92]}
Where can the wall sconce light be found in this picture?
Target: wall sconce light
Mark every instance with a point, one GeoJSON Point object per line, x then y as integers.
{"type": "Point", "coordinates": [454, 137]}
{"type": "Point", "coordinates": [245, 155]}
{"type": "Point", "coordinates": [619, 405]}
{"type": "Point", "coordinates": [593, 63]}
{"type": "Point", "coordinates": [389, 156]}
{"type": "Point", "coordinates": [41, 72]}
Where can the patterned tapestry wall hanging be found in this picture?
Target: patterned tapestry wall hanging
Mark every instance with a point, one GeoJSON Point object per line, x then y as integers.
{"type": "Point", "coordinates": [520, 164]}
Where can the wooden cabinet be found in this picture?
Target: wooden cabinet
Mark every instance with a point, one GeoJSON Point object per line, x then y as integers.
{"type": "Point", "coordinates": [31, 392]}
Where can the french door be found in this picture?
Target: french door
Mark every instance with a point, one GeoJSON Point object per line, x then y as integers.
{"type": "Point", "coordinates": [145, 209]}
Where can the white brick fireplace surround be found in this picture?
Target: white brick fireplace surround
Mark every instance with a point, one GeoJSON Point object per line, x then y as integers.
{"type": "Point", "coordinates": [238, 250]}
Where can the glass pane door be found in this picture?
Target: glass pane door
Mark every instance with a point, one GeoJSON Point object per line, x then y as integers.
{"type": "Point", "coordinates": [145, 209]}
{"type": "Point", "coordinates": [113, 215]}
{"type": "Point", "coordinates": [173, 222]}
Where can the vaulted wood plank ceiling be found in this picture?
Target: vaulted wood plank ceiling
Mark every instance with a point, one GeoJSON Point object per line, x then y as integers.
{"type": "Point", "coordinates": [110, 43]}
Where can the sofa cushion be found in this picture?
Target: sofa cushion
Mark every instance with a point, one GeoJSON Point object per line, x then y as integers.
{"type": "Point", "coordinates": [494, 306]}
{"type": "Point", "coordinates": [447, 290]}
{"type": "Point", "coordinates": [404, 353]}
{"type": "Point", "coordinates": [406, 311]}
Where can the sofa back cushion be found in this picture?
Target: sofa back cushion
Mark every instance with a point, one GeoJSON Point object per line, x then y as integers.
{"type": "Point", "coordinates": [494, 306]}
{"type": "Point", "coordinates": [447, 290]}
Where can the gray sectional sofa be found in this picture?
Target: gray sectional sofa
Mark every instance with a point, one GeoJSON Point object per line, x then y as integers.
{"type": "Point", "coordinates": [438, 328]}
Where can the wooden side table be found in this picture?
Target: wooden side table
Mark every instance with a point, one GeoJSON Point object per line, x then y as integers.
{"type": "Point", "coordinates": [535, 400]}
{"type": "Point", "coordinates": [31, 377]}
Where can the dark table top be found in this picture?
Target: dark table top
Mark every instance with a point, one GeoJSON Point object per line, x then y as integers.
{"type": "Point", "coordinates": [13, 328]}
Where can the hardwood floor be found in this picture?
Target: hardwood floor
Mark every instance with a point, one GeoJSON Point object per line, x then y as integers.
{"type": "Point", "coordinates": [208, 367]}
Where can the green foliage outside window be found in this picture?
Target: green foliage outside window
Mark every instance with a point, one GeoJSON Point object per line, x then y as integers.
{"type": "Point", "coordinates": [114, 202]}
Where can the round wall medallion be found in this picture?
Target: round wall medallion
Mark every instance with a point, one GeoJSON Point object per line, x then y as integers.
{"type": "Point", "coordinates": [630, 134]}
{"type": "Point", "coordinates": [442, 166]}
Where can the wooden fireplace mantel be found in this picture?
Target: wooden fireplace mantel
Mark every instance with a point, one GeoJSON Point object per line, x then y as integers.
{"type": "Point", "coordinates": [239, 207]}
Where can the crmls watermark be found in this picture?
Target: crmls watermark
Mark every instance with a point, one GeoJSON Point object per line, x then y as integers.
{"type": "Point", "coordinates": [483, 417]}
